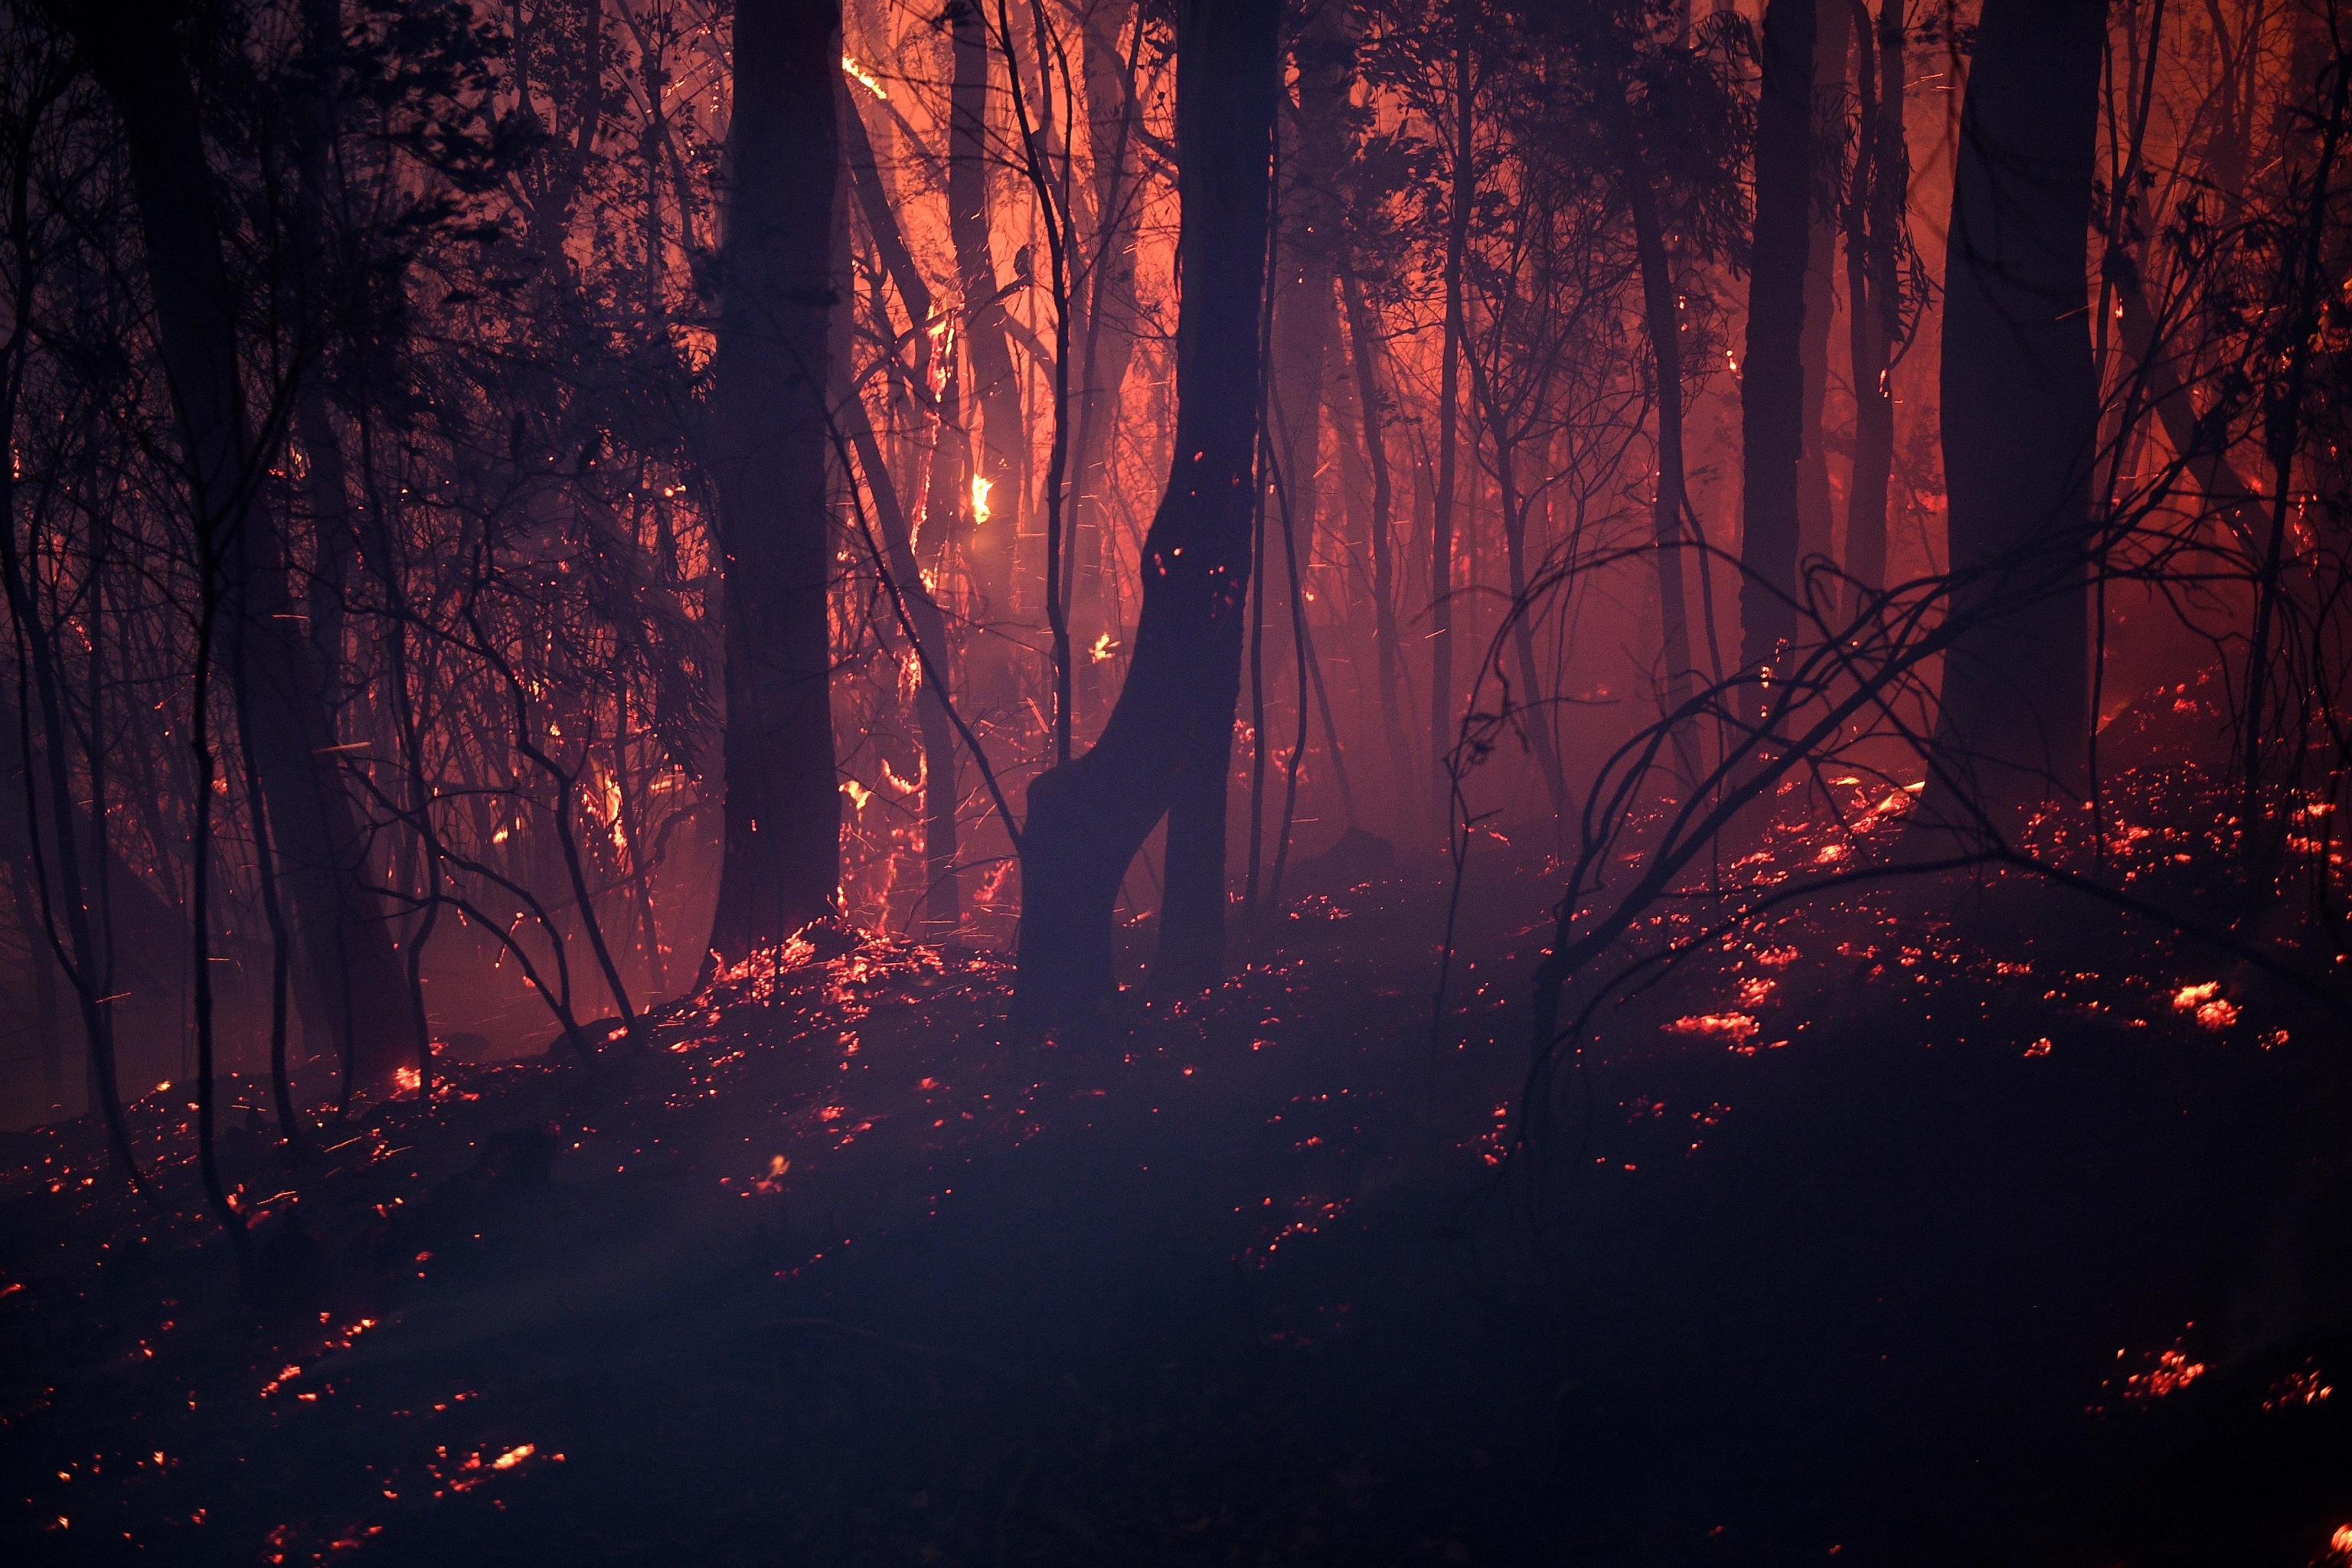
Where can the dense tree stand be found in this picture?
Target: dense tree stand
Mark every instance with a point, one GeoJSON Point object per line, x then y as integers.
{"type": "Point", "coordinates": [1164, 751]}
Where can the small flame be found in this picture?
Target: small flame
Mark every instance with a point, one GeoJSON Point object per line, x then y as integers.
{"type": "Point", "coordinates": [980, 489]}
{"type": "Point", "coordinates": [864, 78]}
{"type": "Point", "coordinates": [1104, 647]}
{"type": "Point", "coordinates": [2212, 1010]}
{"type": "Point", "coordinates": [407, 1078]}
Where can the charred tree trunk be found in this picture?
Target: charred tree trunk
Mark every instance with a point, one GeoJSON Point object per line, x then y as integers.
{"type": "Point", "coordinates": [941, 906]}
{"type": "Point", "coordinates": [1879, 197]}
{"type": "Point", "coordinates": [1449, 395]}
{"type": "Point", "coordinates": [348, 972]}
{"type": "Point", "coordinates": [1772, 378]}
{"type": "Point", "coordinates": [1832, 42]}
{"type": "Point", "coordinates": [2019, 414]}
{"type": "Point", "coordinates": [1360, 333]}
{"type": "Point", "coordinates": [1661, 323]}
{"type": "Point", "coordinates": [998, 456]}
{"type": "Point", "coordinates": [1111, 311]}
{"type": "Point", "coordinates": [1170, 735]}
{"type": "Point", "coordinates": [1305, 323]}
{"type": "Point", "coordinates": [782, 866]}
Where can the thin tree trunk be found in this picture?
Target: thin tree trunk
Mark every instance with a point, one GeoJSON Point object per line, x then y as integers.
{"type": "Point", "coordinates": [1772, 374]}
{"type": "Point", "coordinates": [998, 468]}
{"type": "Point", "coordinates": [1449, 393]}
{"type": "Point", "coordinates": [1873, 283]}
{"type": "Point", "coordinates": [1832, 42]}
{"type": "Point", "coordinates": [1111, 309]}
{"type": "Point", "coordinates": [1661, 319]}
{"type": "Point", "coordinates": [1361, 332]}
{"type": "Point", "coordinates": [940, 907]}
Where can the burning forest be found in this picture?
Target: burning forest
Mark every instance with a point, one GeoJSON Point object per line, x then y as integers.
{"type": "Point", "coordinates": [1184, 781]}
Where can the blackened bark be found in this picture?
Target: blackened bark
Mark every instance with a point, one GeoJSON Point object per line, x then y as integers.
{"type": "Point", "coordinates": [1879, 197]}
{"type": "Point", "coordinates": [1449, 394]}
{"type": "Point", "coordinates": [1661, 323]}
{"type": "Point", "coordinates": [1111, 317]}
{"type": "Point", "coordinates": [1832, 43]}
{"type": "Point", "coordinates": [998, 457]}
{"type": "Point", "coordinates": [1772, 378]}
{"type": "Point", "coordinates": [940, 907]}
{"type": "Point", "coordinates": [1360, 331]}
{"type": "Point", "coordinates": [1169, 735]}
{"type": "Point", "coordinates": [782, 866]}
{"type": "Point", "coordinates": [2020, 413]}
{"type": "Point", "coordinates": [348, 972]}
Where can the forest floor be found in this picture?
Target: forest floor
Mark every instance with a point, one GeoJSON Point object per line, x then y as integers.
{"type": "Point", "coordinates": [1870, 1239]}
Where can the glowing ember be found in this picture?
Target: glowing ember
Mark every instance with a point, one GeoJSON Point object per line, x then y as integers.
{"type": "Point", "coordinates": [2167, 1372]}
{"type": "Point", "coordinates": [1737, 1027]}
{"type": "Point", "coordinates": [2205, 1001]}
{"type": "Point", "coordinates": [2305, 1387]}
{"type": "Point", "coordinates": [408, 1079]}
{"type": "Point", "coordinates": [2188, 998]}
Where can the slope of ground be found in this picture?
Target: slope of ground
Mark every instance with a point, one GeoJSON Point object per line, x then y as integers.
{"type": "Point", "coordinates": [1845, 1243]}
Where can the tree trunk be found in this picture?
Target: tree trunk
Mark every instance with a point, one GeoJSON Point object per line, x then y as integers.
{"type": "Point", "coordinates": [782, 865]}
{"type": "Point", "coordinates": [1449, 393]}
{"type": "Point", "coordinates": [1111, 319]}
{"type": "Point", "coordinates": [1875, 210]}
{"type": "Point", "coordinates": [1361, 332]}
{"type": "Point", "coordinates": [941, 908]}
{"type": "Point", "coordinates": [1832, 42]}
{"type": "Point", "coordinates": [998, 455]}
{"type": "Point", "coordinates": [1169, 737]}
{"type": "Point", "coordinates": [1305, 323]}
{"type": "Point", "coordinates": [1772, 378]}
{"type": "Point", "coordinates": [1662, 321]}
{"type": "Point", "coordinates": [349, 972]}
{"type": "Point", "coordinates": [2019, 414]}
